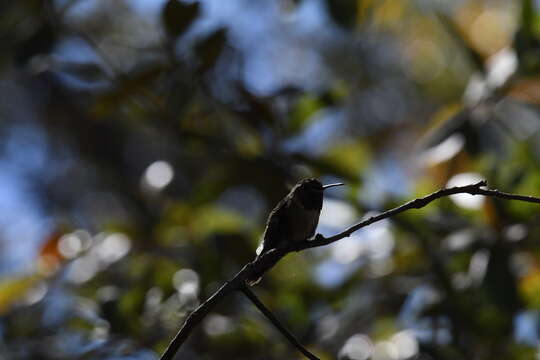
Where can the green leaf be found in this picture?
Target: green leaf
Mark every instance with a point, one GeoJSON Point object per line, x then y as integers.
{"type": "Point", "coordinates": [304, 109]}
{"type": "Point", "coordinates": [178, 16]}
{"type": "Point", "coordinates": [526, 38]}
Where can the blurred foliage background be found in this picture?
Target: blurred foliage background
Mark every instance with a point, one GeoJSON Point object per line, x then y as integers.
{"type": "Point", "coordinates": [144, 142]}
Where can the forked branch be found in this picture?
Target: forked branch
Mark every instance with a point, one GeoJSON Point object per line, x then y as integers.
{"type": "Point", "coordinates": [267, 260]}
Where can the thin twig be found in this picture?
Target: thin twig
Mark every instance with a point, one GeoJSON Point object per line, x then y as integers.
{"type": "Point", "coordinates": [473, 189]}
{"type": "Point", "coordinates": [292, 339]}
{"type": "Point", "coordinates": [266, 261]}
{"type": "Point", "coordinates": [507, 196]}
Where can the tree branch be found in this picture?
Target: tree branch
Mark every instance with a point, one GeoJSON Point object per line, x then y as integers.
{"type": "Point", "coordinates": [266, 261]}
{"type": "Point", "coordinates": [197, 316]}
{"type": "Point", "coordinates": [473, 189]}
{"type": "Point", "coordinates": [251, 270]}
{"type": "Point", "coordinates": [292, 339]}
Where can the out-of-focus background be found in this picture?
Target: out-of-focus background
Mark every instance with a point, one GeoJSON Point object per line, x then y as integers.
{"type": "Point", "coordinates": [144, 142]}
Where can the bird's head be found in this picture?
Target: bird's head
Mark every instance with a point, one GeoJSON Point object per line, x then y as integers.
{"type": "Point", "coordinates": [310, 192]}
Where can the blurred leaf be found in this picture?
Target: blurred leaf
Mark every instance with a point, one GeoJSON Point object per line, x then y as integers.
{"type": "Point", "coordinates": [384, 328]}
{"type": "Point", "coordinates": [492, 321]}
{"type": "Point", "coordinates": [475, 58]}
{"type": "Point", "coordinates": [530, 287]}
{"type": "Point", "coordinates": [500, 281]}
{"type": "Point", "coordinates": [252, 331]}
{"type": "Point", "coordinates": [40, 42]}
{"type": "Point", "coordinates": [132, 303]}
{"type": "Point", "coordinates": [264, 174]}
{"type": "Point", "coordinates": [177, 16]}
{"type": "Point", "coordinates": [365, 10]}
{"type": "Point", "coordinates": [256, 112]}
{"type": "Point", "coordinates": [349, 157]}
{"type": "Point", "coordinates": [475, 126]}
{"type": "Point", "coordinates": [443, 124]}
{"type": "Point", "coordinates": [163, 272]}
{"type": "Point", "coordinates": [528, 17]}
{"type": "Point", "coordinates": [526, 90]}
{"type": "Point", "coordinates": [522, 352]}
{"type": "Point", "coordinates": [209, 49]}
{"type": "Point", "coordinates": [126, 87]}
{"type": "Point", "coordinates": [323, 165]}
{"type": "Point", "coordinates": [12, 290]}
{"type": "Point", "coordinates": [343, 12]}
{"type": "Point", "coordinates": [211, 219]}
{"type": "Point", "coordinates": [388, 13]}
{"type": "Point", "coordinates": [49, 255]}
{"type": "Point", "coordinates": [293, 306]}
{"type": "Point", "coordinates": [305, 107]}
{"type": "Point", "coordinates": [87, 72]}
{"type": "Point", "coordinates": [526, 41]}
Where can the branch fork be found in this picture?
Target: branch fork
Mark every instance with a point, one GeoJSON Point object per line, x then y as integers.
{"type": "Point", "coordinates": [266, 261]}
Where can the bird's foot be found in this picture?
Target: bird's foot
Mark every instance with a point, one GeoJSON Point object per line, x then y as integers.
{"type": "Point", "coordinates": [318, 237]}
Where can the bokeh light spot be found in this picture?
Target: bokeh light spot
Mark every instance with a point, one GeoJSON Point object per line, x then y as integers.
{"type": "Point", "coordinates": [406, 344]}
{"type": "Point", "coordinates": [113, 247]}
{"type": "Point", "coordinates": [357, 347]}
{"type": "Point", "coordinates": [69, 246]}
{"type": "Point", "coordinates": [83, 269]}
{"type": "Point", "coordinates": [216, 325]}
{"type": "Point", "coordinates": [466, 201]}
{"type": "Point", "coordinates": [347, 250]}
{"type": "Point", "coordinates": [385, 350]}
{"type": "Point", "coordinates": [158, 175]}
{"type": "Point", "coordinates": [186, 282]}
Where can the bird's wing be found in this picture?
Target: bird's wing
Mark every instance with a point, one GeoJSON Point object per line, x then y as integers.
{"type": "Point", "coordinates": [273, 233]}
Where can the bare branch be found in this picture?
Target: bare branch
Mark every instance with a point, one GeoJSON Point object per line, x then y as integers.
{"type": "Point", "coordinates": [292, 339]}
{"type": "Point", "coordinates": [266, 261]}
{"type": "Point", "coordinates": [473, 189]}
{"type": "Point", "coordinates": [507, 196]}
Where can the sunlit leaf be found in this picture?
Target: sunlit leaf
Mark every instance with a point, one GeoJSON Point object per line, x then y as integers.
{"type": "Point", "coordinates": [351, 157]}
{"type": "Point", "coordinates": [214, 219]}
{"type": "Point", "coordinates": [306, 107]}
{"type": "Point", "coordinates": [13, 289]}
{"type": "Point", "coordinates": [530, 288]}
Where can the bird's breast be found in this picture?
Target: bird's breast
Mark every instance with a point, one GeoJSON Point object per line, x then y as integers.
{"type": "Point", "coordinates": [304, 223]}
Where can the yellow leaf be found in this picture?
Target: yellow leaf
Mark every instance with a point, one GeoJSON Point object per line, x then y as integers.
{"type": "Point", "coordinates": [12, 290]}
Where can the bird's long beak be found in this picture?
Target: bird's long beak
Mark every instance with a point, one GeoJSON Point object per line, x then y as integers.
{"type": "Point", "coordinates": [332, 185]}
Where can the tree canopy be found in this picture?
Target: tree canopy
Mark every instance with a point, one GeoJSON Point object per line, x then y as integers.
{"type": "Point", "coordinates": [144, 143]}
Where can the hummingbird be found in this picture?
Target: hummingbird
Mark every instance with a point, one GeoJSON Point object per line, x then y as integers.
{"type": "Point", "coordinates": [295, 217]}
